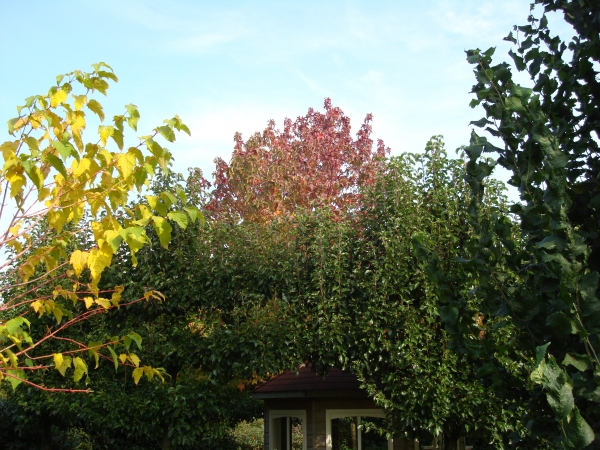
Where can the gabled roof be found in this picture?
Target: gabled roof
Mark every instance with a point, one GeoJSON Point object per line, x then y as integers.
{"type": "Point", "coordinates": [305, 383]}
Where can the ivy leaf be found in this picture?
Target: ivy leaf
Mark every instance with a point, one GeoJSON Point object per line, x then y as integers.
{"type": "Point", "coordinates": [579, 434]}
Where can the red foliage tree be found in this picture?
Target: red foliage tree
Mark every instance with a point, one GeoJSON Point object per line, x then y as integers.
{"type": "Point", "coordinates": [313, 162]}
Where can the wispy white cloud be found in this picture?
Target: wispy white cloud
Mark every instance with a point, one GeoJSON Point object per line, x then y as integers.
{"type": "Point", "coordinates": [201, 42]}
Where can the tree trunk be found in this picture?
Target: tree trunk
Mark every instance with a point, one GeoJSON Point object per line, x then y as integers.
{"type": "Point", "coordinates": [166, 443]}
{"type": "Point", "coordinates": [45, 432]}
{"type": "Point", "coordinates": [451, 440]}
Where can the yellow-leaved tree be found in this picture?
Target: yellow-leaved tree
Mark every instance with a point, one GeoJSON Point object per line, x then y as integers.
{"type": "Point", "coordinates": [52, 177]}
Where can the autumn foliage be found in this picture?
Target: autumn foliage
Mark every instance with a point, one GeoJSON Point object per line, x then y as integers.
{"type": "Point", "coordinates": [313, 162]}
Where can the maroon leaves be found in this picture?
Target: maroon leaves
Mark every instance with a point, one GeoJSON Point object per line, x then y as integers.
{"type": "Point", "coordinates": [313, 162]}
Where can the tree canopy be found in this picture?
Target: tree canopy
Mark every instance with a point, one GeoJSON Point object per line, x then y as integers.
{"type": "Point", "coordinates": [54, 184]}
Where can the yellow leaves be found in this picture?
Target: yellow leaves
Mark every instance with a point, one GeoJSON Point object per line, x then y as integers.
{"type": "Point", "coordinates": [79, 261]}
{"type": "Point", "coordinates": [17, 181]}
{"type": "Point", "coordinates": [76, 119]}
{"type": "Point", "coordinates": [26, 271]}
{"type": "Point", "coordinates": [106, 304]}
{"type": "Point", "coordinates": [57, 219]}
{"type": "Point", "coordinates": [98, 260]}
{"type": "Point", "coordinates": [163, 230]}
{"type": "Point", "coordinates": [137, 374]}
{"type": "Point", "coordinates": [81, 167]}
{"type": "Point", "coordinates": [105, 131]}
{"type": "Point", "coordinates": [80, 101]}
{"type": "Point", "coordinates": [62, 363]}
{"type": "Point", "coordinates": [89, 301]}
{"type": "Point", "coordinates": [154, 294]}
{"type": "Point", "coordinates": [125, 164]}
{"type": "Point", "coordinates": [57, 98]}
{"type": "Point", "coordinates": [116, 296]}
{"type": "Point", "coordinates": [80, 367]}
{"type": "Point", "coordinates": [9, 149]}
{"type": "Point", "coordinates": [150, 372]}
{"type": "Point", "coordinates": [134, 359]}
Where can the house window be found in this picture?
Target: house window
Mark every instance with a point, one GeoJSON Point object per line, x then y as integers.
{"type": "Point", "coordinates": [287, 430]}
{"type": "Point", "coordinates": [349, 429]}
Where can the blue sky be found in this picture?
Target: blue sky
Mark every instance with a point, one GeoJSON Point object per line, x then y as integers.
{"type": "Point", "coordinates": [232, 65]}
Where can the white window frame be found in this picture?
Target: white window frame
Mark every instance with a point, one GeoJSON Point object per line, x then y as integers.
{"type": "Point", "coordinates": [279, 413]}
{"type": "Point", "coordinates": [331, 414]}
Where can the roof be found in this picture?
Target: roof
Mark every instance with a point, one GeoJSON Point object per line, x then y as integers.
{"type": "Point", "coordinates": [305, 383]}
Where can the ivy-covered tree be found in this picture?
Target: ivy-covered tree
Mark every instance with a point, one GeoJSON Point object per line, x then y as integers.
{"type": "Point", "coordinates": [544, 281]}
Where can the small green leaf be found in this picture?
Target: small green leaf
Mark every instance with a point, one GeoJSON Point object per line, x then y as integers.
{"type": "Point", "coordinates": [167, 133]}
{"type": "Point", "coordinates": [96, 108]}
{"type": "Point", "coordinates": [136, 338]}
{"type": "Point", "coordinates": [580, 362]}
{"type": "Point", "coordinates": [114, 357]}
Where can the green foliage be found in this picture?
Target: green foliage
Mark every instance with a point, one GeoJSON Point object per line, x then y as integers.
{"type": "Point", "coordinates": [543, 282]}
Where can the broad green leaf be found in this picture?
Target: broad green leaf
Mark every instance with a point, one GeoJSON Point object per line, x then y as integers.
{"type": "Point", "coordinates": [117, 136]}
{"type": "Point", "coordinates": [580, 362]}
{"type": "Point", "coordinates": [136, 338]}
{"type": "Point", "coordinates": [180, 218]}
{"type": "Point", "coordinates": [134, 116]}
{"type": "Point", "coordinates": [579, 434]}
{"type": "Point", "coordinates": [114, 239]}
{"type": "Point", "coordinates": [56, 163]}
{"type": "Point", "coordinates": [16, 377]}
{"type": "Point", "coordinates": [64, 149]}
{"type": "Point", "coordinates": [94, 350]}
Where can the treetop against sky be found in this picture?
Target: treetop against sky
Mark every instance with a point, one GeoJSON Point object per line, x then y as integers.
{"type": "Point", "coordinates": [233, 65]}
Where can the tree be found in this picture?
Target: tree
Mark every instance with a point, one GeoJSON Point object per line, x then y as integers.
{"type": "Point", "coordinates": [544, 282]}
{"type": "Point", "coordinates": [347, 290]}
{"type": "Point", "coordinates": [54, 185]}
{"type": "Point", "coordinates": [313, 162]}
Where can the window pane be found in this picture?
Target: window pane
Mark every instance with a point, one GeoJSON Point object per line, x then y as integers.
{"type": "Point", "coordinates": [280, 433]}
{"type": "Point", "coordinates": [297, 434]}
{"type": "Point", "coordinates": [373, 435]}
{"type": "Point", "coordinates": [344, 433]}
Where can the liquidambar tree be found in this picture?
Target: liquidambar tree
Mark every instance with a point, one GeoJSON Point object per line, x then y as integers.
{"type": "Point", "coordinates": [314, 161]}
